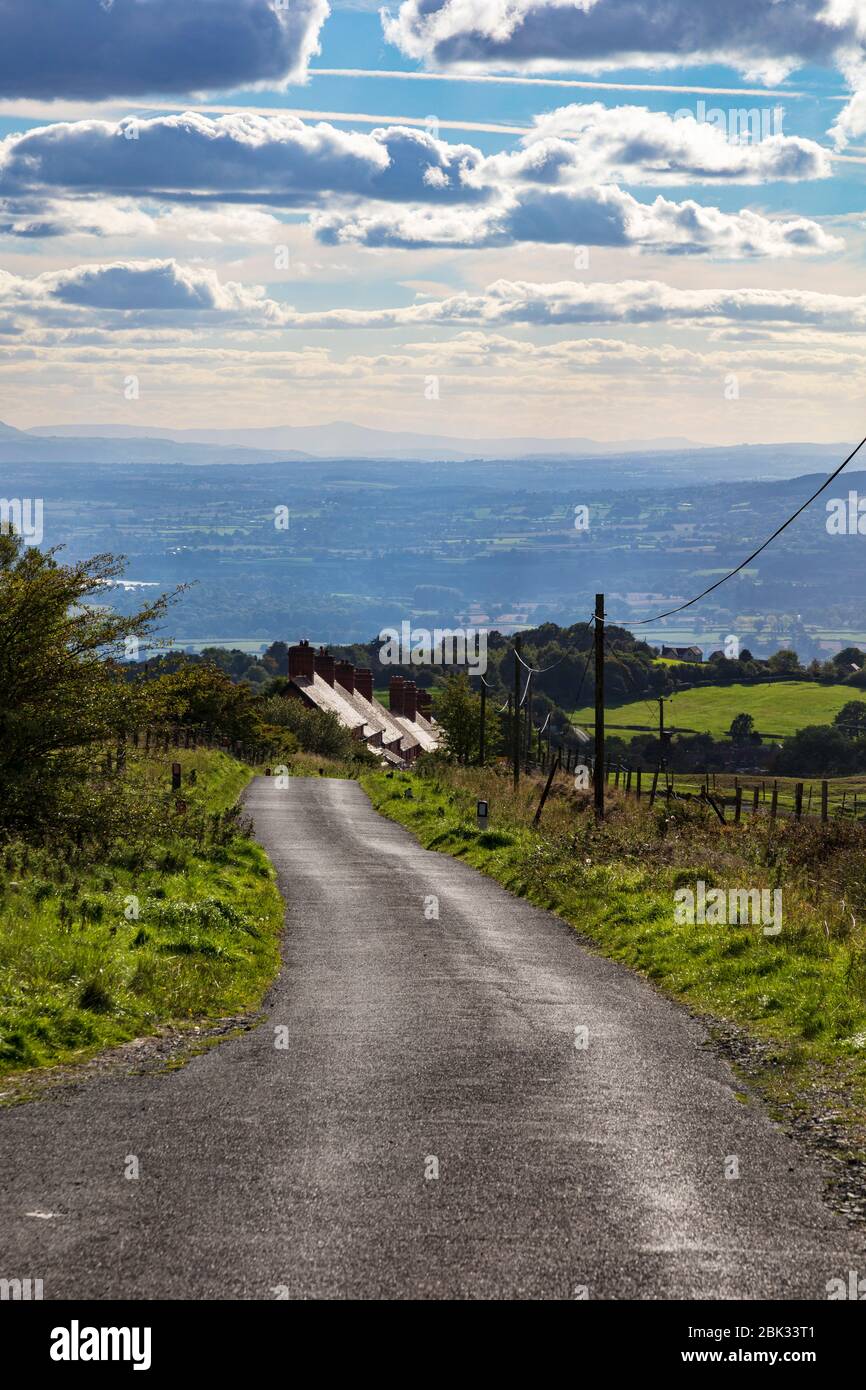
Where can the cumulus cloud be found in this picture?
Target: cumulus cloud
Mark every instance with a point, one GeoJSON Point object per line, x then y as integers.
{"type": "Point", "coordinates": [122, 48]}
{"type": "Point", "coordinates": [622, 302]}
{"type": "Point", "coordinates": [585, 143]}
{"type": "Point", "coordinates": [145, 292]}
{"type": "Point", "coordinates": [152, 296]}
{"type": "Point", "coordinates": [598, 216]}
{"type": "Point", "coordinates": [273, 160]}
{"type": "Point", "coordinates": [764, 41]}
{"type": "Point", "coordinates": [446, 195]}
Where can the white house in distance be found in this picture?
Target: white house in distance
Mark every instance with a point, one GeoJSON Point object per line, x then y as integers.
{"type": "Point", "coordinates": [397, 735]}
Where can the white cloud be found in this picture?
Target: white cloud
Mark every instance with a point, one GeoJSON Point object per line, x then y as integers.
{"type": "Point", "coordinates": [635, 302]}
{"type": "Point", "coordinates": [587, 143]}
{"type": "Point", "coordinates": [122, 217]}
{"type": "Point", "coordinates": [151, 300]}
{"type": "Point", "coordinates": [592, 216]}
{"type": "Point", "coordinates": [105, 48]}
{"type": "Point", "coordinates": [278, 161]}
{"type": "Point", "coordinates": [140, 292]}
{"type": "Point", "coordinates": [764, 41]}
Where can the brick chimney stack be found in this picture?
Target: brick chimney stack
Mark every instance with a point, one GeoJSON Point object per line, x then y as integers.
{"type": "Point", "coordinates": [301, 660]}
{"type": "Point", "coordinates": [410, 700]}
{"type": "Point", "coordinates": [324, 666]}
{"type": "Point", "coordinates": [344, 673]}
{"type": "Point", "coordinates": [396, 688]}
{"type": "Point", "coordinates": [425, 704]}
{"type": "Point", "coordinates": [364, 682]}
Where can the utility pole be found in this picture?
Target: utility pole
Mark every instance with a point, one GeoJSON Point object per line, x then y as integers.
{"type": "Point", "coordinates": [599, 707]}
{"type": "Point", "coordinates": [481, 736]}
{"type": "Point", "coordinates": [515, 729]}
{"type": "Point", "coordinates": [661, 721]}
{"type": "Point", "coordinates": [529, 721]}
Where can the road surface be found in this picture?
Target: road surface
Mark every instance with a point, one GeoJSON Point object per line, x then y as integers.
{"type": "Point", "coordinates": [433, 1126]}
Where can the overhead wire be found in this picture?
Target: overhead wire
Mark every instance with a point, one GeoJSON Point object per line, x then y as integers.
{"type": "Point", "coordinates": [642, 622]}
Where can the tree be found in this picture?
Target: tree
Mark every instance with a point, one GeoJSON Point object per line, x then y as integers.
{"type": "Point", "coordinates": [819, 750]}
{"type": "Point", "coordinates": [62, 688]}
{"type": "Point", "coordinates": [199, 695]}
{"type": "Point", "coordinates": [316, 730]}
{"type": "Point", "coordinates": [742, 727]}
{"type": "Point", "coordinates": [848, 657]}
{"type": "Point", "coordinates": [458, 711]}
{"type": "Point", "coordinates": [784, 662]}
{"type": "Point", "coordinates": [851, 718]}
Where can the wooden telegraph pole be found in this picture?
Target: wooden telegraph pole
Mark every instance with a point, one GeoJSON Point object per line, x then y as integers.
{"type": "Point", "coordinates": [599, 707]}
{"type": "Point", "coordinates": [515, 731]}
{"type": "Point", "coordinates": [481, 748]}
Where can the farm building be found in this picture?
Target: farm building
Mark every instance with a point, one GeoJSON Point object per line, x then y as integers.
{"type": "Point", "coordinates": [683, 653]}
{"type": "Point", "coordinates": [397, 735]}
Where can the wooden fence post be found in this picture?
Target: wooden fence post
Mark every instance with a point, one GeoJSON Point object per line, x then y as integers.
{"type": "Point", "coordinates": [637, 784]}
{"type": "Point", "coordinates": [175, 777]}
{"type": "Point", "coordinates": [825, 801]}
{"type": "Point", "coordinates": [738, 804]}
{"type": "Point", "coordinates": [774, 801]}
{"type": "Point", "coordinates": [798, 801]}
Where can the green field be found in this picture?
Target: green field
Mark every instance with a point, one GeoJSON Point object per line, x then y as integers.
{"type": "Point", "coordinates": [781, 708]}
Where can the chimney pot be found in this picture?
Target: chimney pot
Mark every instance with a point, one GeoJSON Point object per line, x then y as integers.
{"type": "Point", "coordinates": [344, 674]}
{"type": "Point", "coordinates": [301, 660]}
{"type": "Point", "coordinates": [324, 665]}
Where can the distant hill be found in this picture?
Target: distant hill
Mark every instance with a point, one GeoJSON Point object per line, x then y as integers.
{"type": "Point", "coordinates": [671, 461]}
{"type": "Point", "coordinates": [341, 439]}
{"type": "Point", "coordinates": [44, 446]}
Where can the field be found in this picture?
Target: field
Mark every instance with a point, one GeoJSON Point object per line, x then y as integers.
{"type": "Point", "coordinates": [781, 709]}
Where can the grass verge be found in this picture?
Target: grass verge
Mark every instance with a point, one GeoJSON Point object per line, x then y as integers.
{"type": "Point", "coordinates": [177, 919]}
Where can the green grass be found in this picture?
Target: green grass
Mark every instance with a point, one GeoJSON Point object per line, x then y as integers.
{"type": "Point", "coordinates": [181, 927]}
{"type": "Point", "coordinates": [804, 990]}
{"type": "Point", "coordinates": [781, 708]}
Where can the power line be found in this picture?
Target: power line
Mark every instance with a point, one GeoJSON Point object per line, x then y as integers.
{"type": "Point", "coordinates": [589, 655]}
{"type": "Point", "coordinates": [642, 622]}
{"type": "Point", "coordinates": [540, 670]}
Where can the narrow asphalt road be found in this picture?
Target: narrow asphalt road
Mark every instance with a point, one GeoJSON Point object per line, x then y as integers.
{"type": "Point", "coordinates": [430, 1129]}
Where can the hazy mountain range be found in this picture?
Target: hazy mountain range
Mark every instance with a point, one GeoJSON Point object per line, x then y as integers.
{"type": "Point", "coordinates": [132, 444]}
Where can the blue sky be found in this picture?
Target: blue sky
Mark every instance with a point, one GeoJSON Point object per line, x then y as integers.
{"type": "Point", "coordinates": [549, 224]}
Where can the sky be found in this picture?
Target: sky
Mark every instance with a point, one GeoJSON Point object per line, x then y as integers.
{"type": "Point", "coordinates": [613, 219]}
